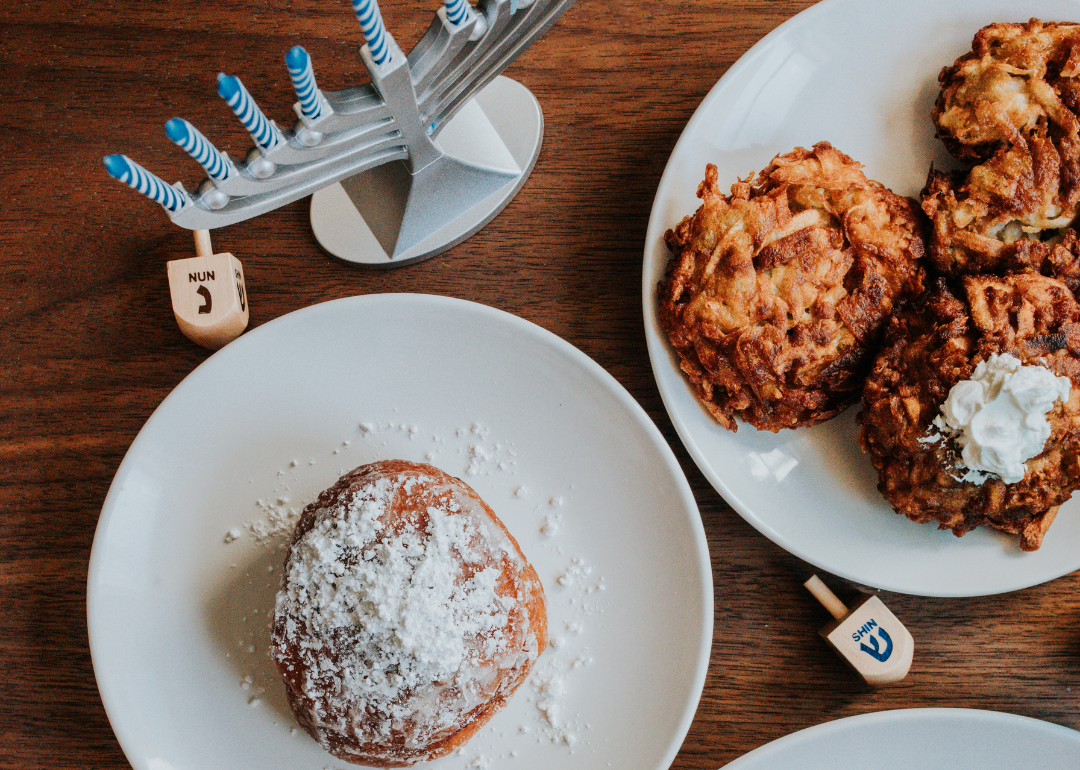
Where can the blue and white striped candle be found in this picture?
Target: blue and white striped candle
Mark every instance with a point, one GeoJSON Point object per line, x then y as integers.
{"type": "Point", "coordinates": [303, 79]}
{"type": "Point", "coordinates": [191, 141]}
{"type": "Point", "coordinates": [138, 178]}
{"type": "Point", "coordinates": [459, 12]}
{"type": "Point", "coordinates": [371, 24]}
{"type": "Point", "coordinates": [243, 106]}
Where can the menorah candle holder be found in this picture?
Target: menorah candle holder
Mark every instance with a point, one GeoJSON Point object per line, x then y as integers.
{"type": "Point", "coordinates": [399, 169]}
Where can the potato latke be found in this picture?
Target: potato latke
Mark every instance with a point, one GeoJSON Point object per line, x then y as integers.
{"type": "Point", "coordinates": [775, 296]}
{"type": "Point", "coordinates": [1009, 108]}
{"type": "Point", "coordinates": [932, 345]}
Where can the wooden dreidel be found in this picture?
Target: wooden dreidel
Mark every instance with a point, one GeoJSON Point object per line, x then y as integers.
{"type": "Point", "coordinates": [208, 295]}
{"type": "Point", "coordinates": [868, 637]}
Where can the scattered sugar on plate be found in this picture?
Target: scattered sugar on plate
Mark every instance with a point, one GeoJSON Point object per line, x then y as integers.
{"type": "Point", "coordinates": [551, 524]}
{"type": "Point", "coordinates": [468, 451]}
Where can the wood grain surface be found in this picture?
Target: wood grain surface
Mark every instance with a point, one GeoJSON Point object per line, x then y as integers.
{"type": "Point", "coordinates": [89, 347]}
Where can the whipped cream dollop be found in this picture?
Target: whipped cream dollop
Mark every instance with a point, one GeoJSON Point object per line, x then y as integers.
{"type": "Point", "coordinates": [998, 417]}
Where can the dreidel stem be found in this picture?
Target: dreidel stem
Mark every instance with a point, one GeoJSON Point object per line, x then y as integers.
{"type": "Point", "coordinates": [203, 248]}
{"type": "Point", "coordinates": [828, 599]}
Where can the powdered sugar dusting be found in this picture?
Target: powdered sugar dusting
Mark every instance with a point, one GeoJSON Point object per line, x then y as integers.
{"type": "Point", "coordinates": [578, 591]}
{"type": "Point", "coordinates": [277, 522]}
{"type": "Point", "coordinates": [422, 622]}
{"type": "Point", "coordinates": [404, 596]}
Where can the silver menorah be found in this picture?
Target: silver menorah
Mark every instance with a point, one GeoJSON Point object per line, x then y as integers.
{"type": "Point", "coordinates": [399, 169]}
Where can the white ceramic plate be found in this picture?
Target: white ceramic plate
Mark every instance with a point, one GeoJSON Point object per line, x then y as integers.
{"type": "Point", "coordinates": [927, 739]}
{"type": "Point", "coordinates": [178, 617]}
{"type": "Point", "coordinates": [861, 74]}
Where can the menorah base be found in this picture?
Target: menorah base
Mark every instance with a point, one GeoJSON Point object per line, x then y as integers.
{"type": "Point", "coordinates": [387, 217]}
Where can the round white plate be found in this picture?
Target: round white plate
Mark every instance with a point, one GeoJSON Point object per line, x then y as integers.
{"type": "Point", "coordinates": [861, 74]}
{"type": "Point", "coordinates": [927, 739]}
{"type": "Point", "coordinates": [186, 559]}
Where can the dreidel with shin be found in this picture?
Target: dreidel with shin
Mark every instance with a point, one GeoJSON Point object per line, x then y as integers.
{"type": "Point", "coordinates": [209, 299]}
{"type": "Point", "coordinates": [868, 636]}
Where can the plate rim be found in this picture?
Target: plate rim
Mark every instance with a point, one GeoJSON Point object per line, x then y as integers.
{"type": "Point", "coordinates": [937, 714]}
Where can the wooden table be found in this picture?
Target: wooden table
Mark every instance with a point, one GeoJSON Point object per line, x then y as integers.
{"type": "Point", "coordinates": [89, 348]}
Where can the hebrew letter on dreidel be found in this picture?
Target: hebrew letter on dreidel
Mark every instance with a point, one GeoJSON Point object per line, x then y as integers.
{"type": "Point", "coordinates": [208, 295]}
{"type": "Point", "coordinates": [876, 652]}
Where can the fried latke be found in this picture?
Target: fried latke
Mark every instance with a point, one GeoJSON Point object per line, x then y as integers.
{"type": "Point", "coordinates": [1005, 215]}
{"type": "Point", "coordinates": [775, 296]}
{"type": "Point", "coordinates": [1009, 107]}
{"type": "Point", "coordinates": [1018, 80]}
{"type": "Point", "coordinates": [932, 345]}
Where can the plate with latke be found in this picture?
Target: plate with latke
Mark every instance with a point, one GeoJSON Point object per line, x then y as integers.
{"type": "Point", "coordinates": [863, 77]}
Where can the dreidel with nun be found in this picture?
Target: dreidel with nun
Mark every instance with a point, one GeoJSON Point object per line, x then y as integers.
{"type": "Point", "coordinates": [868, 636]}
{"type": "Point", "coordinates": [209, 299]}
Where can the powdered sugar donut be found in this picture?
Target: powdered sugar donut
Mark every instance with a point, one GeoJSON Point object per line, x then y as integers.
{"type": "Point", "coordinates": [407, 615]}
